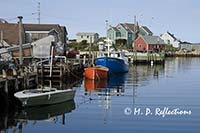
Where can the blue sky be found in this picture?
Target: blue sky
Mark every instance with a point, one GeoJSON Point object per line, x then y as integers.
{"type": "Point", "coordinates": [180, 17]}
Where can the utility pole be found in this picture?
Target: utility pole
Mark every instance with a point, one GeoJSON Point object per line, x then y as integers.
{"type": "Point", "coordinates": [20, 41]}
{"type": "Point", "coordinates": [20, 45]}
{"type": "Point", "coordinates": [38, 12]}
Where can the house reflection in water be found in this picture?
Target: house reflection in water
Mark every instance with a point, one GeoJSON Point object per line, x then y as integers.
{"type": "Point", "coordinates": [142, 74]}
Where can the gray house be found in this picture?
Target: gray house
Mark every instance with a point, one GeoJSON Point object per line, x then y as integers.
{"type": "Point", "coordinates": [185, 46]}
{"type": "Point", "coordinates": [85, 36]}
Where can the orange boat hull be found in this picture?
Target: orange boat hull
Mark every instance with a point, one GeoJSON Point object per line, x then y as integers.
{"type": "Point", "coordinates": [97, 72]}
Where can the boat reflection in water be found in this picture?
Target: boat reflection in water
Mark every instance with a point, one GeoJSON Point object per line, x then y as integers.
{"type": "Point", "coordinates": [102, 91]}
{"type": "Point", "coordinates": [46, 112]}
{"type": "Point", "coordinates": [92, 85]}
{"type": "Point", "coordinates": [114, 85]}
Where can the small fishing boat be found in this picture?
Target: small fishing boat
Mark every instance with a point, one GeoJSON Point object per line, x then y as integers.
{"type": "Point", "coordinates": [46, 96]}
{"type": "Point", "coordinates": [114, 60]}
{"type": "Point", "coordinates": [96, 72]}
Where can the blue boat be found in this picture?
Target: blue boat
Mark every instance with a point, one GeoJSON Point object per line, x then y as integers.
{"type": "Point", "coordinates": [115, 61]}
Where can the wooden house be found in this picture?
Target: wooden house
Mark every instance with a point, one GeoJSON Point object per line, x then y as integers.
{"type": "Point", "coordinates": [148, 43]}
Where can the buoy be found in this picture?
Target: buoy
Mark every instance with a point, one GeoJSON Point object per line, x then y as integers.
{"type": "Point", "coordinates": [151, 63]}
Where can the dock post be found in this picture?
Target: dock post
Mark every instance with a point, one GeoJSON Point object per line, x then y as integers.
{"type": "Point", "coordinates": [35, 70]}
{"type": "Point", "coordinates": [84, 60]}
{"type": "Point", "coordinates": [61, 72]}
{"type": "Point", "coordinates": [42, 71]}
{"type": "Point", "coordinates": [63, 119]}
{"type": "Point", "coordinates": [20, 127]}
{"type": "Point", "coordinates": [6, 81]}
{"type": "Point", "coordinates": [16, 79]}
{"type": "Point", "coordinates": [92, 59]}
{"type": "Point", "coordinates": [24, 77]}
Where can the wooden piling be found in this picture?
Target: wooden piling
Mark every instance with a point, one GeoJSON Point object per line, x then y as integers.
{"type": "Point", "coordinates": [6, 81]}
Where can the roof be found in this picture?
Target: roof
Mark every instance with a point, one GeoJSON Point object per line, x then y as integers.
{"type": "Point", "coordinates": [11, 30]}
{"type": "Point", "coordinates": [41, 27]}
{"type": "Point", "coordinates": [172, 35]}
{"type": "Point", "coordinates": [153, 40]}
{"type": "Point", "coordinates": [115, 29]}
{"type": "Point", "coordinates": [86, 33]}
{"type": "Point", "coordinates": [131, 28]}
{"type": "Point", "coordinates": [128, 26]}
{"type": "Point", "coordinates": [185, 42]}
{"type": "Point", "coordinates": [147, 30]}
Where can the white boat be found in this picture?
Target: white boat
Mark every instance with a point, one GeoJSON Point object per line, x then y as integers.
{"type": "Point", "coordinates": [46, 96]}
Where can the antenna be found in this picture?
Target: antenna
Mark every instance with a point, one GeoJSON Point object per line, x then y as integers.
{"type": "Point", "coordinates": [38, 13]}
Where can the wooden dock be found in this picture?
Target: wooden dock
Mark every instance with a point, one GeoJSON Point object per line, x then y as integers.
{"type": "Point", "coordinates": [59, 71]}
{"type": "Point", "coordinates": [148, 58]}
{"type": "Point", "coordinates": [11, 82]}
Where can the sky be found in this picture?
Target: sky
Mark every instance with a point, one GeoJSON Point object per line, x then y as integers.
{"type": "Point", "coordinates": [179, 17]}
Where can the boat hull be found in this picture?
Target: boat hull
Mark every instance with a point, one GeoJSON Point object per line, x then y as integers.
{"type": "Point", "coordinates": [46, 98]}
{"type": "Point", "coordinates": [97, 72]}
{"type": "Point", "coordinates": [114, 65]}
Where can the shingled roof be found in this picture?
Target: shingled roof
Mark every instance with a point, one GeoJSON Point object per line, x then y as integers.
{"type": "Point", "coordinates": [130, 28]}
{"type": "Point", "coordinates": [147, 30]}
{"type": "Point", "coordinates": [172, 35]}
{"type": "Point", "coordinates": [41, 27]}
{"type": "Point", "coordinates": [153, 40]}
{"type": "Point", "coordinates": [11, 30]}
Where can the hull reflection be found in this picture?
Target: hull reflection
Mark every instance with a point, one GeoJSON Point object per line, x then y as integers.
{"type": "Point", "coordinates": [46, 112]}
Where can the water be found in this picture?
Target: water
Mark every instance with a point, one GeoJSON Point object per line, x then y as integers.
{"type": "Point", "coordinates": [123, 103]}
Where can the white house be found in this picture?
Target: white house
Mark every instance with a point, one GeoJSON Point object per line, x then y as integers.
{"type": "Point", "coordinates": [89, 37]}
{"type": "Point", "coordinates": [170, 39]}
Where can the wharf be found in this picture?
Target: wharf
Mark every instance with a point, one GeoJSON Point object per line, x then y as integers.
{"type": "Point", "coordinates": [59, 71]}
{"type": "Point", "coordinates": [148, 58]}
{"type": "Point", "coordinates": [11, 82]}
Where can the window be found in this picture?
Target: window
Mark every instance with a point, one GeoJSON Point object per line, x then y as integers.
{"type": "Point", "coordinates": [81, 36]}
{"type": "Point", "coordinates": [168, 41]}
{"type": "Point", "coordinates": [87, 36]}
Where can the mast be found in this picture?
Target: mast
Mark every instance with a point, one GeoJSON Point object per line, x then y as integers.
{"type": "Point", "coordinates": [108, 43]}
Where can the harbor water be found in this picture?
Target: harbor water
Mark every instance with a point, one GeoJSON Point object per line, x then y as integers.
{"type": "Point", "coordinates": [149, 98]}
